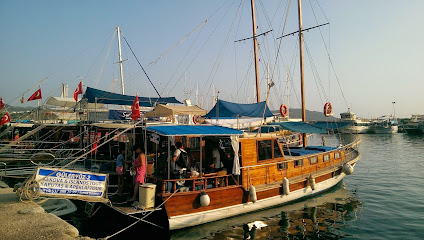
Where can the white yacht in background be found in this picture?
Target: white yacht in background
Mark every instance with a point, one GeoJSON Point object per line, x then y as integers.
{"type": "Point", "coordinates": [357, 125]}
{"type": "Point", "coordinates": [383, 125]}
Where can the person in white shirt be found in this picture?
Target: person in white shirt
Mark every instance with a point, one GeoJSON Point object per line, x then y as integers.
{"type": "Point", "coordinates": [176, 156]}
{"type": "Point", "coordinates": [216, 155]}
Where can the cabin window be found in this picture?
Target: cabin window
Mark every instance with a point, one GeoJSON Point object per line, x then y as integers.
{"type": "Point", "coordinates": [313, 160]}
{"type": "Point", "coordinates": [337, 155]}
{"type": "Point", "coordinates": [265, 150]}
{"type": "Point", "coordinates": [326, 158]}
{"type": "Point", "coordinates": [282, 166]}
{"type": "Point", "coordinates": [298, 163]}
{"type": "Point", "coordinates": [194, 143]}
{"type": "Point", "coordinates": [277, 151]}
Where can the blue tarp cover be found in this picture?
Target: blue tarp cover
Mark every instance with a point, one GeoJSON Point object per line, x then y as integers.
{"type": "Point", "coordinates": [300, 152]}
{"type": "Point", "coordinates": [321, 148]}
{"type": "Point", "coordinates": [330, 125]}
{"type": "Point", "coordinates": [231, 110]}
{"type": "Point", "coordinates": [118, 99]}
{"type": "Point", "coordinates": [186, 130]}
{"type": "Point", "coordinates": [299, 127]}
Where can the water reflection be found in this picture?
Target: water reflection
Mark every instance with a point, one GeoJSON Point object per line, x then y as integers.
{"type": "Point", "coordinates": [322, 217]}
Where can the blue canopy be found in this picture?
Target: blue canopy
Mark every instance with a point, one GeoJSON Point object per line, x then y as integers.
{"type": "Point", "coordinates": [299, 127]}
{"type": "Point", "coordinates": [118, 99]}
{"type": "Point", "coordinates": [330, 125]}
{"type": "Point", "coordinates": [186, 130]}
{"type": "Point", "coordinates": [231, 110]}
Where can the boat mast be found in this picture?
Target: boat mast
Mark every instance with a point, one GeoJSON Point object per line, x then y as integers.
{"type": "Point", "coordinates": [120, 60]}
{"type": "Point", "coordinates": [255, 46]}
{"type": "Point", "coordinates": [302, 81]}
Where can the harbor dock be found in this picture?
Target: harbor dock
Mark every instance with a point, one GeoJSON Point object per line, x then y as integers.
{"type": "Point", "coordinates": [27, 220]}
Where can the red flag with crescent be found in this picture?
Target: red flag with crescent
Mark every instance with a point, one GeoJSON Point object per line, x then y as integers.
{"type": "Point", "coordinates": [94, 148]}
{"type": "Point", "coordinates": [78, 91]}
{"type": "Point", "coordinates": [5, 119]}
{"type": "Point", "coordinates": [35, 96]}
{"type": "Point", "coordinates": [1, 104]}
{"type": "Point", "coordinates": [135, 109]}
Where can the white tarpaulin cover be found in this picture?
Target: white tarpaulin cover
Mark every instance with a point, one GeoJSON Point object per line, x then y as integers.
{"type": "Point", "coordinates": [167, 111]}
{"type": "Point", "coordinates": [70, 103]}
{"type": "Point", "coordinates": [236, 163]}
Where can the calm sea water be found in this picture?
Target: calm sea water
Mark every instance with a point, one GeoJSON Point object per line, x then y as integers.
{"type": "Point", "coordinates": [383, 199]}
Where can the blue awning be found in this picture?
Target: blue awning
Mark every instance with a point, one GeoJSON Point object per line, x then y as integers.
{"type": "Point", "coordinates": [330, 125]}
{"type": "Point", "coordinates": [226, 109]}
{"type": "Point", "coordinates": [99, 96]}
{"type": "Point", "coordinates": [299, 127]}
{"type": "Point", "coordinates": [189, 130]}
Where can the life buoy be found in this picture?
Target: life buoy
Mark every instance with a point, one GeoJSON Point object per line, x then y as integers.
{"type": "Point", "coordinates": [195, 119]}
{"type": "Point", "coordinates": [284, 111]}
{"type": "Point", "coordinates": [300, 138]}
{"type": "Point", "coordinates": [328, 109]}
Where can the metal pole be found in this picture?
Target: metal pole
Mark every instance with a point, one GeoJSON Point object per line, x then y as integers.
{"type": "Point", "coordinates": [302, 80]}
{"type": "Point", "coordinates": [120, 59]}
{"type": "Point", "coordinates": [169, 158]}
{"type": "Point", "coordinates": [201, 150]}
{"type": "Point", "coordinates": [394, 110]}
{"type": "Point", "coordinates": [255, 46]}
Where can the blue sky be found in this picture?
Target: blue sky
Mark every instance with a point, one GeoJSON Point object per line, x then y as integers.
{"type": "Point", "coordinates": [375, 47]}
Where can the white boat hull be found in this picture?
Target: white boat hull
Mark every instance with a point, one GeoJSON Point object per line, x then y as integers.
{"type": "Point", "coordinates": [189, 220]}
{"type": "Point", "coordinates": [355, 129]}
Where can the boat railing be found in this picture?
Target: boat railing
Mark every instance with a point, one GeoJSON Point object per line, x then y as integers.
{"type": "Point", "coordinates": [195, 183]}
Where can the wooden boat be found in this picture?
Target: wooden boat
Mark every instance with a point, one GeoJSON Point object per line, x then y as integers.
{"type": "Point", "coordinates": [264, 173]}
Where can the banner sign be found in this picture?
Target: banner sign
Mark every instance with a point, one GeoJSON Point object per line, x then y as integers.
{"type": "Point", "coordinates": [119, 115]}
{"type": "Point", "coordinates": [73, 184]}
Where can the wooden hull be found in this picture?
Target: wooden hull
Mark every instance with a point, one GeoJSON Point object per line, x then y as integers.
{"type": "Point", "coordinates": [184, 209]}
{"type": "Point", "coordinates": [273, 198]}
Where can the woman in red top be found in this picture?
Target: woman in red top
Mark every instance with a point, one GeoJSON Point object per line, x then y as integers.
{"type": "Point", "coordinates": [139, 166]}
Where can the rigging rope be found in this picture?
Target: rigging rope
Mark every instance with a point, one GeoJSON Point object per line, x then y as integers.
{"type": "Point", "coordinates": [141, 66]}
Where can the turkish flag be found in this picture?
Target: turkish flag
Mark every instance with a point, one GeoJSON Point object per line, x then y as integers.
{"type": "Point", "coordinates": [1, 104]}
{"type": "Point", "coordinates": [135, 109]}
{"type": "Point", "coordinates": [35, 96]}
{"type": "Point", "coordinates": [5, 119]}
{"type": "Point", "coordinates": [94, 148]}
{"type": "Point", "coordinates": [78, 91]}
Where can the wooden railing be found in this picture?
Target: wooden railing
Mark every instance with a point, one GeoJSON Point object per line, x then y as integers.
{"type": "Point", "coordinates": [190, 184]}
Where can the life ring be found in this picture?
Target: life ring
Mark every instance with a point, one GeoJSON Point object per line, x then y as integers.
{"type": "Point", "coordinates": [328, 109]}
{"type": "Point", "coordinates": [284, 111]}
{"type": "Point", "coordinates": [300, 138]}
{"type": "Point", "coordinates": [168, 119]}
{"type": "Point", "coordinates": [195, 119]}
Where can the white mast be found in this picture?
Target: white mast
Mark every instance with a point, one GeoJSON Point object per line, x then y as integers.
{"type": "Point", "coordinates": [197, 93]}
{"type": "Point", "coordinates": [120, 60]}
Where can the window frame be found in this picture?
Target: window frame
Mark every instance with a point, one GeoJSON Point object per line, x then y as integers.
{"type": "Point", "coordinates": [296, 163]}
{"type": "Point", "coordinates": [326, 156]}
{"type": "Point", "coordinates": [315, 158]}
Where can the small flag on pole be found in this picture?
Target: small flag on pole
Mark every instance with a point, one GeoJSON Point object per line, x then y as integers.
{"type": "Point", "coordinates": [78, 91]}
{"type": "Point", "coordinates": [35, 96]}
{"type": "Point", "coordinates": [94, 148]}
{"type": "Point", "coordinates": [1, 104]}
{"type": "Point", "coordinates": [5, 119]}
{"type": "Point", "coordinates": [135, 109]}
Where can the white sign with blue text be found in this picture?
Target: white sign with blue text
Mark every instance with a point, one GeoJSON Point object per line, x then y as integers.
{"type": "Point", "coordinates": [72, 184]}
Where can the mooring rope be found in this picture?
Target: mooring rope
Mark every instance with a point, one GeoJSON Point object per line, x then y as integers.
{"type": "Point", "coordinates": [139, 219]}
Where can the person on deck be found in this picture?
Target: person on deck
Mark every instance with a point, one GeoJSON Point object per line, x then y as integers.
{"type": "Point", "coordinates": [120, 171]}
{"type": "Point", "coordinates": [140, 166]}
{"type": "Point", "coordinates": [179, 148]}
{"type": "Point", "coordinates": [216, 155]}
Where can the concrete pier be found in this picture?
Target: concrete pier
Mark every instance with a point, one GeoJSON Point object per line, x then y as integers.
{"type": "Point", "coordinates": [27, 220]}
